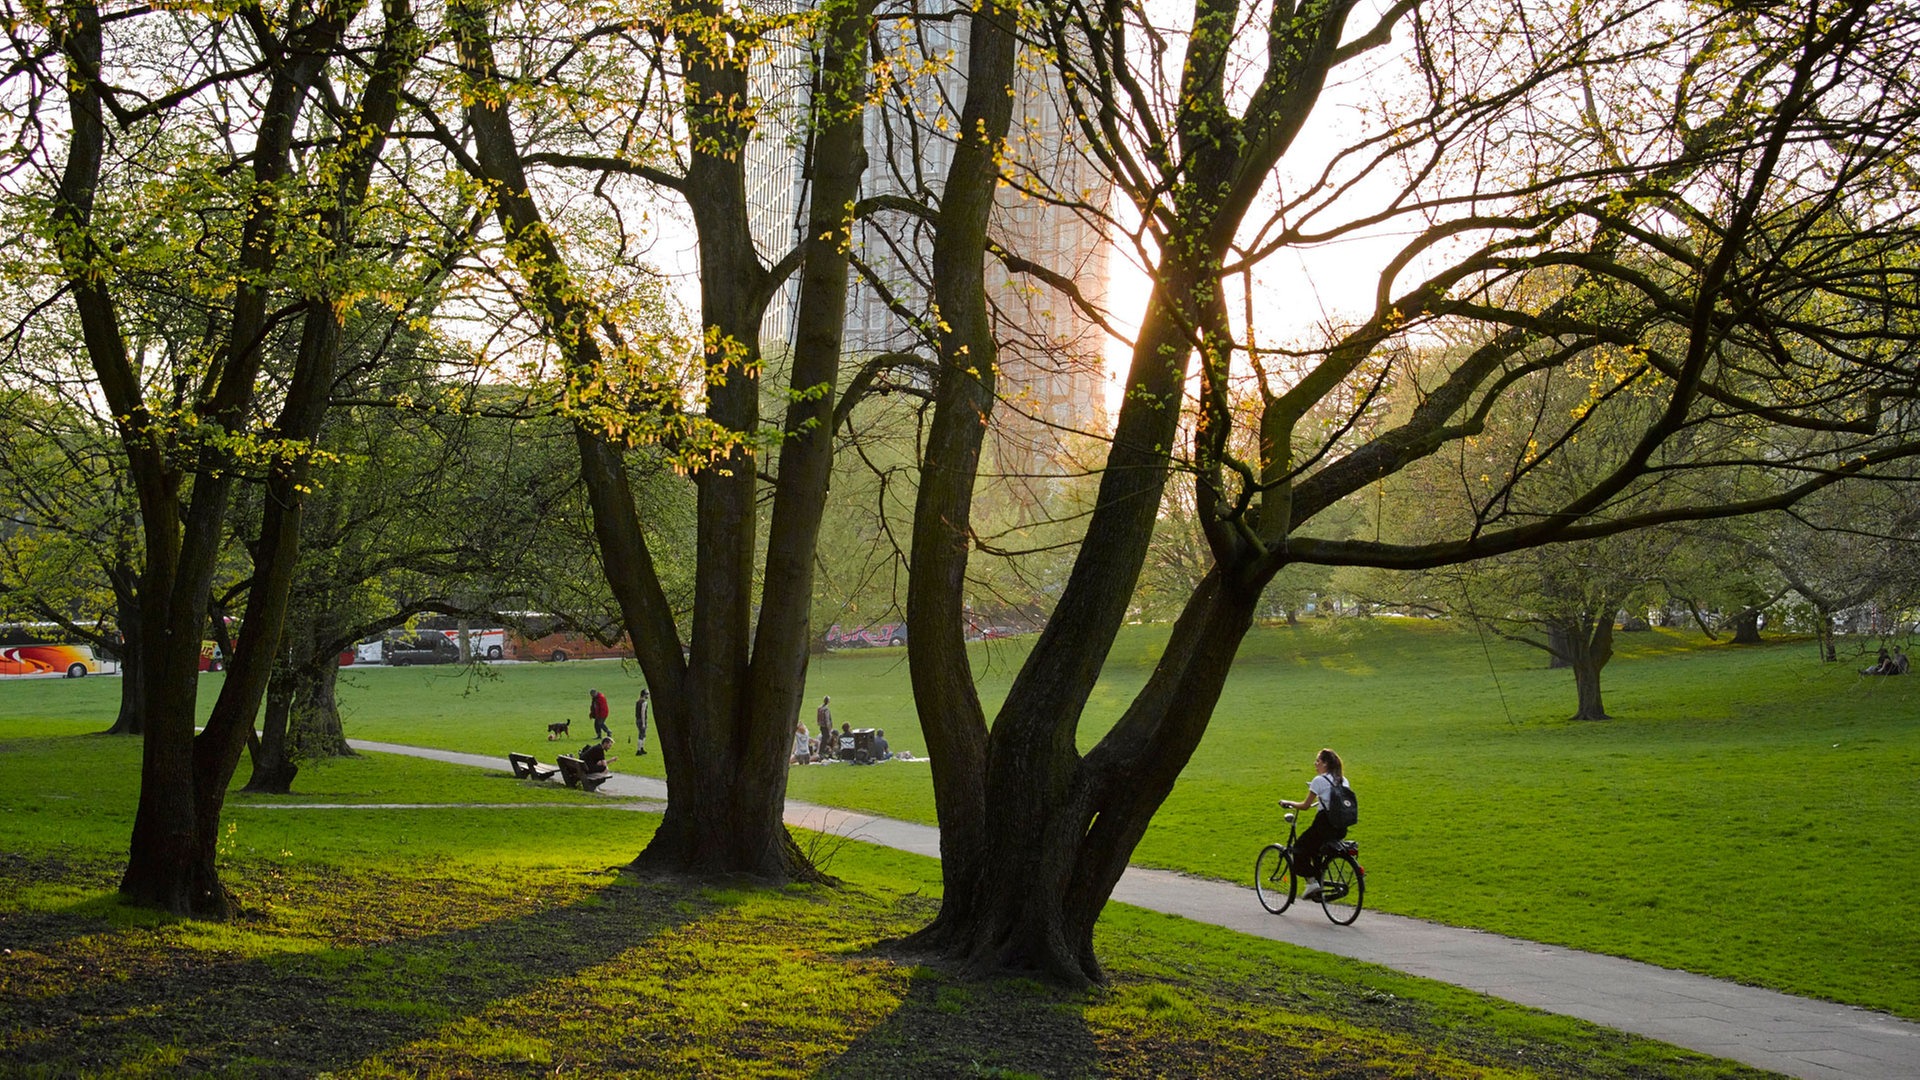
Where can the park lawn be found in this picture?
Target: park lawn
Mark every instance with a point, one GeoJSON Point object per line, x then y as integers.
{"type": "Point", "coordinates": [454, 955]}
{"type": "Point", "coordinates": [1695, 830]}
{"type": "Point", "coordinates": [1747, 814]}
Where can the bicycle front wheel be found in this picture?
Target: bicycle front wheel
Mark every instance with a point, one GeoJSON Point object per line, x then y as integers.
{"type": "Point", "coordinates": [1273, 878]}
{"type": "Point", "coordinates": [1343, 888]}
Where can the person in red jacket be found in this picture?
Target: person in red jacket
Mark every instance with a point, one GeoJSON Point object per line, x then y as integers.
{"type": "Point", "coordinates": [597, 709]}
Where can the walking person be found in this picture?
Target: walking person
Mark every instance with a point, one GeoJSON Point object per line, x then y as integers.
{"type": "Point", "coordinates": [640, 708]}
{"type": "Point", "coordinates": [597, 709]}
{"type": "Point", "coordinates": [824, 716]}
{"type": "Point", "coordinates": [1308, 858]}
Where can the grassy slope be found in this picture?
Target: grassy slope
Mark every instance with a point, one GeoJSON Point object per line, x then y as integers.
{"type": "Point", "coordinates": [1695, 830]}
{"type": "Point", "coordinates": [485, 942]}
{"type": "Point", "coordinates": [1691, 831]}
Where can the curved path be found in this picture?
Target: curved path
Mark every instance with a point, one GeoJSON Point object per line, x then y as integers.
{"type": "Point", "coordinates": [1796, 1036]}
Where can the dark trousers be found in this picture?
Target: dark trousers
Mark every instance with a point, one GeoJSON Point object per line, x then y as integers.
{"type": "Point", "coordinates": [1308, 859]}
{"type": "Point", "coordinates": [600, 727]}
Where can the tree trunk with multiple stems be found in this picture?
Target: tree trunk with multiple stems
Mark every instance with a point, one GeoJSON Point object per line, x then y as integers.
{"type": "Point", "coordinates": [1034, 831]}
{"type": "Point", "coordinates": [1034, 834]}
{"type": "Point", "coordinates": [183, 501]}
{"type": "Point", "coordinates": [725, 714]}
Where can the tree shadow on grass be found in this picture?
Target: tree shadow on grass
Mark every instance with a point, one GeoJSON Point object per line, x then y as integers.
{"type": "Point", "coordinates": [98, 912]}
{"type": "Point", "coordinates": [950, 1026]}
{"type": "Point", "coordinates": [105, 1002]}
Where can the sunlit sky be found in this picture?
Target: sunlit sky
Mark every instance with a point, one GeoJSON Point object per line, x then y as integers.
{"type": "Point", "coordinates": [1297, 292]}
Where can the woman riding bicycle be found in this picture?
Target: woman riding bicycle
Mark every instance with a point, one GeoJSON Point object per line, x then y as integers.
{"type": "Point", "coordinates": [1309, 857]}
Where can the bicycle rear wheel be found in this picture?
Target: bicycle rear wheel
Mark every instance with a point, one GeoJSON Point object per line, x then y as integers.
{"type": "Point", "coordinates": [1343, 889]}
{"type": "Point", "coordinates": [1273, 878]}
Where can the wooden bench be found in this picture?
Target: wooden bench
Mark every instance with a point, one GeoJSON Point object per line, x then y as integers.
{"type": "Point", "coordinates": [574, 772]}
{"type": "Point", "coordinates": [526, 767]}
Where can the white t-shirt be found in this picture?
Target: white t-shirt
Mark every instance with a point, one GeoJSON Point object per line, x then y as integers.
{"type": "Point", "coordinates": [1322, 788]}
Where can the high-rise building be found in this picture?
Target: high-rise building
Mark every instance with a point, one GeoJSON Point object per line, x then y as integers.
{"type": "Point", "coordinates": [1052, 380]}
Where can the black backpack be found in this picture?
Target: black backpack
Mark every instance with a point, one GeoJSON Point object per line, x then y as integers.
{"type": "Point", "coordinates": [1344, 808]}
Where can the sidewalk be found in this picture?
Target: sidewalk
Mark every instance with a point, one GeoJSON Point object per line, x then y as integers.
{"type": "Point", "coordinates": [1816, 1040]}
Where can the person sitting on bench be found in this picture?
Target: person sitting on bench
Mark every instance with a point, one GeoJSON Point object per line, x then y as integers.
{"type": "Point", "coordinates": [594, 759]}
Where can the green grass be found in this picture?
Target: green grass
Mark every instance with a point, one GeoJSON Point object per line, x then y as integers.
{"type": "Point", "coordinates": [86, 802]}
{"type": "Point", "coordinates": [1695, 830]}
{"type": "Point", "coordinates": [458, 956]}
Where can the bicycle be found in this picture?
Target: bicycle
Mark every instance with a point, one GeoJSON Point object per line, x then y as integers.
{"type": "Point", "coordinates": [1343, 881]}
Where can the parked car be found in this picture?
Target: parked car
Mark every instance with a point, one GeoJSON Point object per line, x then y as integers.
{"type": "Point", "coordinates": [428, 648]}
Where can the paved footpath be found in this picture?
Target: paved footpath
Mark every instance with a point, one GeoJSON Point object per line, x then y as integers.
{"type": "Point", "coordinates": [1770, 1030]}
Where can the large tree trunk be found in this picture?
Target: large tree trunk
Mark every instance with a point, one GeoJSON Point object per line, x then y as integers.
{"type": "Point", "coordinates": [725, 714]}
{"type": "Point", "coordinates": [1746, 627]}
{"type": "Point", "coordinates": [1586, 681]}
{"type": "Point", "coordinates": [952, 718]}
{"type": "Point", "coordinates": [1560, 646]}
{"type": "Point", "coordinates": [314, 731]}
{"type": "Point", "coordinates": [184, 777]}
{"type": "Point", "coordinates": [171, 862]}
{"type": "Point", "coordinates": [1061, 828]}
{"type": "Point", "coordinates": [1033, 836]}
{"type": "Point", "coordinates": [302, 719]}
{"type": "Point", "coordinates": [1587, 643]}
{"type": "Point", "coordinates": [164, 870]}
{"type": "Point", "coordinates": [273, 766]}
{"type": "Point", "coordinates": [133, 654]}
{"type": "Point", "coordinates": [1055, 830]}
{"type": "Point", "coordinates": [746, 693]}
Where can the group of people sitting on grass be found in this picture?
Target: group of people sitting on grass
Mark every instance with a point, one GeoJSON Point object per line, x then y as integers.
{"type": "Point", "coordinates": [831, 745]}
{"type": "Point", "coordinates": [1896, 664]}
{"type": "Point", "coordinates": [839, 745]}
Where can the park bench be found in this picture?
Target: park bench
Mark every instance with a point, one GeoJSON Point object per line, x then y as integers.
{"type": "Point", "coordinates": [527, 767]}
{"type": "Point", "coordinates": [574, 772]}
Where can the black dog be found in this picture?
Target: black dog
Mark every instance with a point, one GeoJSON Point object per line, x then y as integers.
{"type": "Point", "coordinates": [554, 731]}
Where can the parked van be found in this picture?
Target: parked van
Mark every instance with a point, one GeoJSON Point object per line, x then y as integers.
{"type": "Point", "coordinates": [431, 647]}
